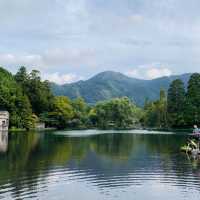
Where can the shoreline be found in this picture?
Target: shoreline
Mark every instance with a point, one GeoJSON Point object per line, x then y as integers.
{"type": "Point", "coordinates": [181, 130]}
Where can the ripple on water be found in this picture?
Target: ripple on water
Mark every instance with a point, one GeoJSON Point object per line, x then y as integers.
{"type": "Point", "coordinates": [148, 165]}
{"type": "Point", "coordinates": [30, 187]}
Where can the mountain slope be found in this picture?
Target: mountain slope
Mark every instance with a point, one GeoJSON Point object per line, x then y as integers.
{"type": "Point", "coordinates": [110, 84]}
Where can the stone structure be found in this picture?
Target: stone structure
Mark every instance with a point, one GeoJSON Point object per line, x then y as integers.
{"type": "Point", "coordinates": [4, 120]}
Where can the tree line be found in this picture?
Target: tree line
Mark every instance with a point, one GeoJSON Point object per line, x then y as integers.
{"type": "Point", "coordinates": [30, 100]}
{"type": "Point", "coordinates": [180, 108]}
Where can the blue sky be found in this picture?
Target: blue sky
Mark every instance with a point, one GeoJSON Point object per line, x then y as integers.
{"type": "Point", "coordinates": [68, 40]}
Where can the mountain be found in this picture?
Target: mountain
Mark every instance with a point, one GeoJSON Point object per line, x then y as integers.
{"type": "Point", "coordinates": [109, 84]}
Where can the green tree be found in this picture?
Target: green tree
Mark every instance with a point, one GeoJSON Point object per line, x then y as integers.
{"type": "Point", "coordinates": [162, 109]}
{"type": "Point", "coordinates": [62, 112]}
{"type": "Point", "coordinates": [192, 106]}
{"type": "Point", "coordinates": [15, 101]}
{"type": "Point", "coordinates": [22, 78]}
{"type": "Point", "coordinates": [38, 91]}
{"type": "Point", "coordinates": [156, 112]}
{"type": "Point", "coordinates": [176, 103]}
{"type": "Point", "coordinates": [81, 111]}
{"type": "Point", "coordinates": [116, 113]}
{"type": "Point", "coordinates": [92, 115]}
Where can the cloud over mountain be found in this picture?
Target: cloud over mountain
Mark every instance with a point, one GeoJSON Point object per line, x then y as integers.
{"type": "Point", "coordinates": [84, 37]}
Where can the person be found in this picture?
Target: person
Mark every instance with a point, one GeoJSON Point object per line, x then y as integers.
{"type": "Point", "coordinates": [196, 130]}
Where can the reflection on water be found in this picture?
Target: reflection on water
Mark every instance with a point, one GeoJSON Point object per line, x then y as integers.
{"type": "Point", "coordinates": [100, 166]}
{"type": "Point", "coordinates": [3, 141]}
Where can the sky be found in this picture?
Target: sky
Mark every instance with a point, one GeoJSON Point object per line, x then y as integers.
{"type": "Point", "coordinates": [69, 40]}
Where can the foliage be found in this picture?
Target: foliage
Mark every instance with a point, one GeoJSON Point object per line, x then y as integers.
{"type": "Point", "coordinates": [81, 112]}
{"type": "Point", "coordinates": [38, 91]}
{"type": "Point", "coordinates": [22, 95]}
{"type": "Point", "coordinates": [156, 112]}
{"type": "Point", "coordinates": [29, 100]}
{"type": "Point", "coordinates": [117, 113]}
{"type": "Point", "coordinates": [62, 112]}
{"type": "Point", "coordinates": [192, 108]}
{"type": "Point", "coordinates": [183, 107]}
{"type": "Point", "coordinates": [15, 101]}
{"type": "Point", "coordinates": [176, 103]}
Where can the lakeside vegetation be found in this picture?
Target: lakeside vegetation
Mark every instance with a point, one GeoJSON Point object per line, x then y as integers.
{"type": "Point", "coordinates": [180, 108]}
{"type": "Point", "coordinates": [30, 100]}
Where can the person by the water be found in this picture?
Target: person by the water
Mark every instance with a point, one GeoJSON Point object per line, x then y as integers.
{"type": "Point", "coordinates": [196, 130]}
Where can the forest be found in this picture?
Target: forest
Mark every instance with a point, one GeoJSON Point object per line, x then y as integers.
{"type": "Point", "coordinates": [179, 108]}
{"type": "Point", "coordinates": [30, 100]}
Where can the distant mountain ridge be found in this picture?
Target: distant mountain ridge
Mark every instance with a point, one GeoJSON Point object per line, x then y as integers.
{"type": "Point", "coordinates": [110, 84]}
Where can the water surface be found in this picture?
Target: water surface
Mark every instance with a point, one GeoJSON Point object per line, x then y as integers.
{"type": "Point", "coordinates": [97, 165]}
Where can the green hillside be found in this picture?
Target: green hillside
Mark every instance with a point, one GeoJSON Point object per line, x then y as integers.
{"type": "Point", "coordinates": [109, 84]}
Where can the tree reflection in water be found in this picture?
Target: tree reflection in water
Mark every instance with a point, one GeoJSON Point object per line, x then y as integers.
{"type": "Point", "coordinates": [30, 160]}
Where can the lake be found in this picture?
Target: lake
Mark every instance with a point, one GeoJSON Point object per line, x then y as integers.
{"type": "Point", "coordinates": [97, 165]}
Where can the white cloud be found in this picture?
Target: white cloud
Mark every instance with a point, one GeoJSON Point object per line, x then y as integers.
{"type": "Point", "coordinates": [96, 35]}
{"type": "Point", "coordinates": [14, 59]}
{"type": "Point", "coordinates": [136, 18]}
{"type": "Point", "coordinates": [73, 57]}
{"type": "Point", "coordinates": [44, 63]}
{"type": "Point", "coordinates": [62, 78]}
{"type": "Point", "coordinates": [149, 71]}
{"type": "Point", "coordinates": [50, 59]}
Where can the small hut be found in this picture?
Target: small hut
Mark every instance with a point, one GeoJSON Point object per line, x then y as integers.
{"type": "Point", "coordinates": [4, 120]}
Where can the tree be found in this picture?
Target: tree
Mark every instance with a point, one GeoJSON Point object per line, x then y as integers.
{"type": "Point", "coordinates": [14, 100]}
{"type": "Point", "coordinates": [81, 111]}
{"type": "Point", "coordinates": [162, 109]}
{"type": "Point", "coordinates": [156, 112]}
{"type": "Point", "coordinates": [192, 106]}
{"type": "Point", "coordinates": [38, 91]}
{"type": "Point", "coordinates": [116, 113]}
{"type": "Point", "coordinates": [22, 78]}
{"type": "Point", "coordinates": [176, 103]}
{"type": "Point", "coordinates": [62, 112]}
{"type": "Point", "coordinates": [92, 115]}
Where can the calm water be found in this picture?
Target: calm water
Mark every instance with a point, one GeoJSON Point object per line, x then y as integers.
{"type": "Point", "coordinates": [94, 165]}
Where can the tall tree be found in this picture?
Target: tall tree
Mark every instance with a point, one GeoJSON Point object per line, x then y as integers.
{"type": "Point", "coordinates": [156, 112]}
{"type": "Point", "coordinates": [162, 109]}
{"type": "Point", "coordinates": [176, 103]}
{"type": "Point", "coordinates": [38, 91]}
{"type": "Point", "coordinates": [22, 78]}
{"type": "Point", "coordinates": [192, 108]}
